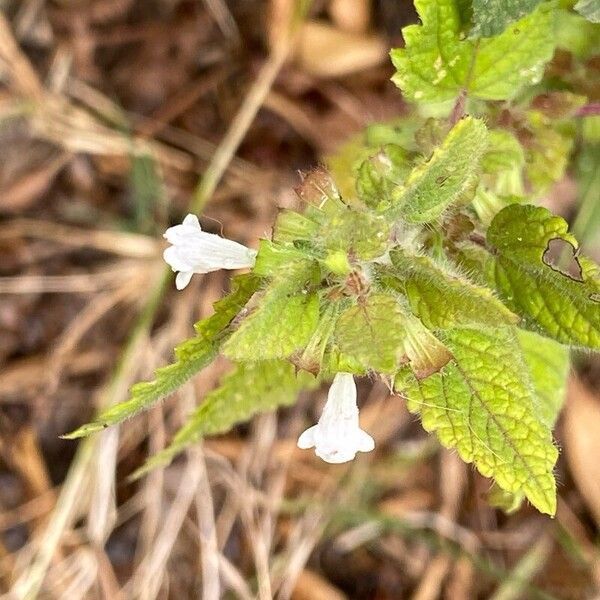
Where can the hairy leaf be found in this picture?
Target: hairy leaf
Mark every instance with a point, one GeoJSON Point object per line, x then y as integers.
{"type": "Point", "coordinates": [291, 226]}
{"type": "Point", "coordinates": [446, 177]}
{"type": "Point", "coordinates": [191, 356]}
{"type": "Point", "coordinates": [540, 278]}
{"type": "Point", "coordinates": [437, 64]}
{"type": "Point", "coordinates": [443, 300]}
{"type": "Point", "coordinates": [249, 389]}
{"type": "Point", "coordinates": [372, 332]}
{"type": "Point", "coordinates": [275, 259]}
{"type": "Point", "coordinates": [482, 404]}
{"type": "Point", "coordinates": [282, 321]}
{"type": "Point", "coordinates": [363, 235]}
{"type": "Point", "coordinates": [548, 363]}
{"type": "Point", "coordinates": [490, 17]}
{"type": "Point", "coordinates": [377, 176]}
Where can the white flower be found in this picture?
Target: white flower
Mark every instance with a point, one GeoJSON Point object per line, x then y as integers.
{"type": "Point", "coordinates": [195, 251]}
{"type": "Point", "coordinates": [337, 437]}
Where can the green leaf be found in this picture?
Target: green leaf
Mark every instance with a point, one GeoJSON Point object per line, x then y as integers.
{"type": "Point", "coordinates": [292, 226]}
{"type": "Point", "coordinates": [490, 17]}
{"type": "Point", "coordinates": [449, 175]}
{"type": "Point", "coordinates": [547, 152]}
{"type": "Point", "coordinates": [548, 363]}
{"type": "Point", "coordinates": [249, 389]}
{"type": "Point", "coordinates": [380, 174]}
{"type": "Point", "coordinates": [311, 358]}
{"type": "Point", "coordinates": [362, 234]}
{"type": "Point", "coordinates": [504, 152]}
{"type": "Point", "coordinates": [372, 332]}
{"type": "Point", "coordinates": [281, 322]}
{"type": "Point", "coordinates": [275, 259]}
{"type": "Point", "coordinates": [437, 64]}
{"type": "Point", "coordinates": [425, 353]}
{"type": "Point", "coordinates": [587, 223]}
{"type": "Point", "coordinates": [191, 356]}
{"type": "Point", "coordinates": [539, 276]}
{"type": "Point", "coordinates": [482, 405]}
{"type": "Point", "coordinates": [347, 160]}
{"type": "Point", "coordinates": [590, 9]}
{"type": "Point", "coordinates": [442, 299]}
{"type": "Point", "coordinates": [577, 35]}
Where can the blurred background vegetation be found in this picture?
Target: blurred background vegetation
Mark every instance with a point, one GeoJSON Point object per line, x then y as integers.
{"type": "Point", "coordinates": [110, 113]}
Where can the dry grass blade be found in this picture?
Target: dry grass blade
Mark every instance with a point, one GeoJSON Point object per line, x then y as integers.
{"type": "Point", "coordinates": [149, 576]}
{"type": "Point", "coordinates": [121, 243]}
{"type": "Point", "coordinates": [209, 549]}
{"type": "Point", "coordinates": [103, 279]}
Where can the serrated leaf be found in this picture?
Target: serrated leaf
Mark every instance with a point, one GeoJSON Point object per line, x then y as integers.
{"type": "Point", "coordinates": [548, 363]}
{"type": "Point", "coordinates": [590, 9]}
{"type": "Point", "coordinates": [490, 17]}
{"type": "Point", "coordinates": [191, 356]}
{"type": "Point", "coordinates": [444, 300]}
{"type": "Point", "coordinates": [560, 300]}
{"type": "Point", "coordinates": [482, 405]}
{"type": "Point", "coordinates": [280, 324]}
{"type": "Point", "coordinates": [446, 177]}
{"type": "Point", "coordinates": [372, 333]}
{"type": "Point", "coordinates": [437, 64]}
{"type": "Point", "coordinates": [249, 389]}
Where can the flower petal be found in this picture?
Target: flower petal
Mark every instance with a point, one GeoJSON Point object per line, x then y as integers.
{"type": "Point", "coordinates": [182, 279]}
{"type": "Point", "coordinates": [335, 456]}
{"type": "Point", "coordinates": [307, 438]}
{"type": "Point", "coordinates": [364, 442]}
{"type": "Point", "coordinates": [192, 221]}
{"type": "Point", "coordinates": [174, 259]}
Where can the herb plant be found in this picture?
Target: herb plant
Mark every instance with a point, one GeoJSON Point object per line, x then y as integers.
{"type": "Point", "coordinates": [420, 256]}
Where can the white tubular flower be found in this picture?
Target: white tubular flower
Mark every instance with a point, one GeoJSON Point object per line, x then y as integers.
{"type": "Point", "coordinates": [195, 251]}
{"type": "Point", "coordinates": [337, 437]}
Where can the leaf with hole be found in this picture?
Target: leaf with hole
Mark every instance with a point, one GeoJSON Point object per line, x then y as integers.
{"type": "Point", "coordinates": [542, 277]}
